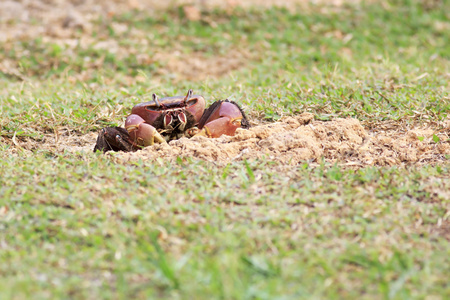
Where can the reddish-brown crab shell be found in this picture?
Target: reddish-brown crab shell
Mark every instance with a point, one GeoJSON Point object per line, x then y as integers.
{"type": "Point", "coordinates": [152, 110]}
{"type": "Point", "coordinates": [161, 120]}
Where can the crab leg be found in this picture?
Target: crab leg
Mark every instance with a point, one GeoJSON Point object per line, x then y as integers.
{"type": "Point", "coordinates": [141, 133]}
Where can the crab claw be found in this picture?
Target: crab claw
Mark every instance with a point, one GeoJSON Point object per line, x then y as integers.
{"type": "Point", "coordinates": [114, 139]}
{"type": "Point", "coordinates": [141, 133]}
{"type": "Point", "coordinates": [221, 126]}
{"type": "Point", "coordinates": [222, 117]}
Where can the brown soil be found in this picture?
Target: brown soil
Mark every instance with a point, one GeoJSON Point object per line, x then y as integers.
{"type": "Point", "coordinates": [291, 141]}
{"type": "Point", "coordinates": [52, 10]}
{"type": "Point", "coordinates": [298, 139]}
{"type": "Point", "coordinates": [63, 17]}
{"type": "Point", "coordinates": [71, 23]}
{"type": "Point", "coordinates": [197, 66]}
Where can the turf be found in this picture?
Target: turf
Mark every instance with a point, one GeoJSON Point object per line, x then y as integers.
{"type": "Point", "coordinates": [84, 225]}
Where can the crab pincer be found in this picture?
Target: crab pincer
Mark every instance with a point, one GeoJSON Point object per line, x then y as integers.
{"type": "Point", "coordinates": [222, 117]}
{"type": "Point", "coordinates": [142, 133]}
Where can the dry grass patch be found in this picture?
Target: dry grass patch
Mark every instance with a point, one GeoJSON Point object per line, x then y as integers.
{"type": "Point", "coordinates": [198, 66]}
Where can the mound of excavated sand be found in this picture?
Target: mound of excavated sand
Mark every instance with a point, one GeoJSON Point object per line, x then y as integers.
{"type": "Point", "coordinates": [290, 141]}
{"type": "Point", "coordinates": [297, 139]}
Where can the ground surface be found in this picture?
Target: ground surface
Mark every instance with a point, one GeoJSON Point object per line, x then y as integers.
{"type": "Point", "coordinates": [339, 190]}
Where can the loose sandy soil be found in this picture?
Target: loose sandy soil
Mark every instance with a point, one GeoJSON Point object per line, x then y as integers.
{"type": "Point", "coordinates": [298, 139]}
{"type": "Point", "coordinates": [292, 141]}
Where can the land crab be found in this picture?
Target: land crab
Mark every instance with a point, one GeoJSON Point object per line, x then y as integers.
{"type": "Point", "coordinates": [165, 119]}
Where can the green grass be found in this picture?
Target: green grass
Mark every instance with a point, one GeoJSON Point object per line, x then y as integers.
{"type": "Point", "coordinates": [90, 227]}
{"type": "Point", "coordinates": [84, 225]}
